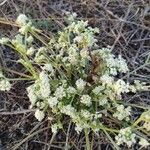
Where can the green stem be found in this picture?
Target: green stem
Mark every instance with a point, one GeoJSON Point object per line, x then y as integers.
{"type": "Point", "coordinates": [87, 139]}
{"type": "Point", "coordinates": [20, 79]}
{"type": "Point", "coordinates": [28, 65]}
{"type": "Point", "coordinates": [38, 37]}
{"type": "Point", "coordinates": [136, 122]}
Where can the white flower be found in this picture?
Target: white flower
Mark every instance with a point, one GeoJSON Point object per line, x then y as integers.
{"type": "Point", "coordinates": [122, 113]}
{"type": "Point", "coordinates": [31, 94]}
{"type": "Point", "coordinates": [97, 116]}
{"type": "Point", "coordinates": [98, 89]}
{"type": "Point", "coordinates": [39, 115]}
{"type": "Point", "coordinates": [71, 17]}
{"type": "Point", "coordinates": [80, 84]}
{"type": "Point", "coordinates": [39, 55]}
{"type": "Point", "coordinates": [68, 110]}
{"type": "Point", "coordinates": [30, 39]}
{"type": "Point", "coordinates": [122, 65]}
{"type": "Point", "coordinates": [42, 50]}
{"type": "Point", "coordinates": [85, 39]}
{"type": "Point", "coordinates": [55, 127]}
{"type": "Point", "coordinates": [48, 67]}
{"type": "Point", "coordinates": [84, 53]}
{"type": "Point", "coordinates": [73, 55]}
{"type": "Point", "coordinates": [106, 79]}
{"type": "Point", "coordinates": [78, 38]}
{"type": "Point", "coordinates": [30, 51]}
{"type": "Point", "coordinates": [22, 19]}
{"type": "Point", "coordinates": [138, 85]}
{"type": "Point", "coordinates": [103, 101]}
{"type": "Point", "coordinates": [60, 92]}
{"type": "Point", "coordinates": [74, 15]}
{"type": "Point", "coordinates": [41, 105]}
{"type": "Point", "coordinates": [4, 84]}
{"type": "Point", "coordinates": [120, 87]}
{"type": "Point", "coordinates": [52, 101]}
{"type": "Point", "coordinates": [86, 99]}
{"type": "Point", "coordinates": [125, 136]}
{"type": "Point", "coordinates": [86, 114]}
{"type": "Point", "coordinates": [113, 71]}
{"type": "Point", "coordinates": [71, 90]}
{"type": "Point", "coordinates": [90, 40]}
{"type": "Point", "coordinates": [132, 88]}
{"type": "Point", "coordinates": [143, 142]}
{"type": "Point", "coordinates": [44, 85]}
{"type": "Point", "coordinates": [111, 62]}
{"type": "Point", "coordinates": [79, 26]}
{"type": "Point", "coordinates": [24, 29]}
{"type": "Point", "coordinates": [4, 40]}
{"type": "Point", "coordinates": [78, 128]}
{"type": "Point", "coordinates": [1, 75]}
{"type": "Point", "coordinates": [106, 53]}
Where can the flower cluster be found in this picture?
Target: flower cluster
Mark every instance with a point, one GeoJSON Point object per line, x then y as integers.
{"type": "Point", "coordinates": [126, 136]}
{"type": "Point", "coordinates": [74, 77]}
{"type": "Point", "coordinates": [4, 83]}
{"type": "Point", "coordinates": [39, 115]}
{"type": "Point", "coordinates": [86, 99]}
{"type": "Point", "coordinates": [144, 143]}
{"type": "Point", "coordinates": [113, 64]}
{"type": "Point", "coordinates": [122, 113]}
{"type": "Point", "coordinates": [55, 127]}
{"type": "Point", "coordinates": [25, 24]}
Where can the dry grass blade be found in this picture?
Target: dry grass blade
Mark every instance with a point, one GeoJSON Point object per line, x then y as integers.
{"type": "Point", "coordinates": [3, 2]}
{"type": "Point", "coordinates": [6, 22]}
{"type": "Point", "coordinates": [28, 137]}
{"type": "Point", "coordinates": [124, 25]}
{"type": "Point", "coordinates": [17, 112]}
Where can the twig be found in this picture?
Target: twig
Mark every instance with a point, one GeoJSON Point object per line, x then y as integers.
{"type": "Point", "coordinates": [28, 137]}
{"type": "Point", "coordinates": [2, 3]}
{"type": "Point", "coordinates": [67, 137]}
{"type": "Point", "coordinates": [17, 112]}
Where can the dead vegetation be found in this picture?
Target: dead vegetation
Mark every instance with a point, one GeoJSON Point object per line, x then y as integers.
{"type": "Point", "coordinates": [123, 24]}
